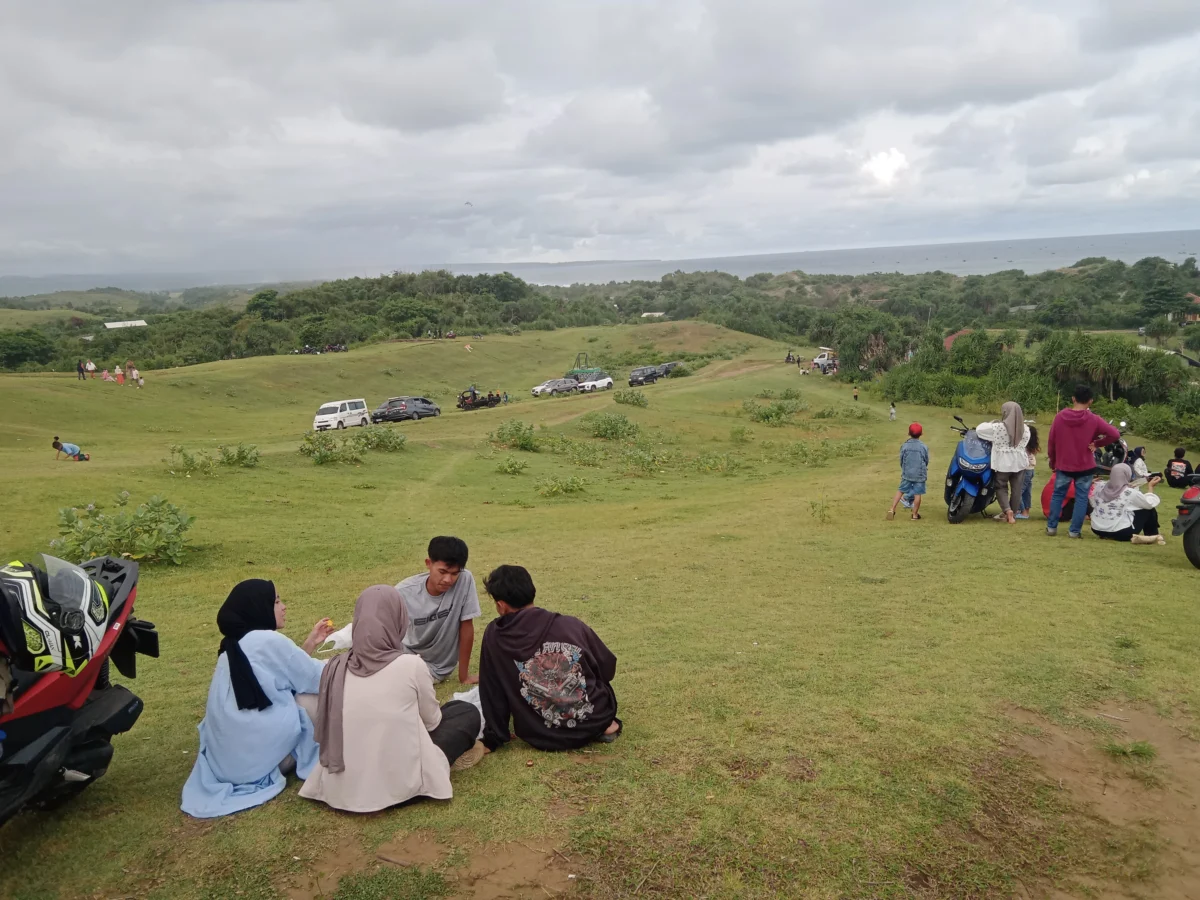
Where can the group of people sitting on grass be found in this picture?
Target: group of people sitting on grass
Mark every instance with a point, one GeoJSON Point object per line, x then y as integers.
{"type": "Point", "coordinates": [1119, 509]}
{"type": "Point", "coordinates": [364, 729]}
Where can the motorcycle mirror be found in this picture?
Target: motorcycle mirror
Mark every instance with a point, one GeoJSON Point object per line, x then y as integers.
{"type": "Point", "coordinates": [1122, 424]}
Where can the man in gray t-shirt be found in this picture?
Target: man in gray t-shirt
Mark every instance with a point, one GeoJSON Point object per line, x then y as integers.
{"type": "Point", "coordinates": [442, 606]}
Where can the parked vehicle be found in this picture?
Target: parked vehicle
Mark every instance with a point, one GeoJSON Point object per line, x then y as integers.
{"type": "Point", "coordinates": [667, 368]}
{"type": "Point", "coordinates": [340, 413]}
{"type": "Point", "coordinates": [555, 386]}
{"type": "Point", "coordinates": [643, 375]}
{"type": "Point", "coordinates": [400, 409]}
{"type": "Point", "coordinates": [472, 399]}
{"type": "Point", "coordinates": [970, 482]}
{"type": "Point", "coordinates": [60, 627]}
{"type": "Point", "coordinates": [1106, 457]}
{"type": "Point", "coordinates": [826, 358]}
{"type": "Point", "coordinates": [601, 382]}
{"type": "Point", "coordinates": [1189, 514]}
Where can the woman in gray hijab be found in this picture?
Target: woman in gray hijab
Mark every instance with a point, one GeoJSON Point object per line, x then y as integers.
{"type": "Point", "coordinates": [1121, 512]}
{"type": "Point", "coordinates": [1008, 437]}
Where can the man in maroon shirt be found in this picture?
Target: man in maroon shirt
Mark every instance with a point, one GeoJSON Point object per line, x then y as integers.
{"type": "Point", "coordinates": [1074, 437]}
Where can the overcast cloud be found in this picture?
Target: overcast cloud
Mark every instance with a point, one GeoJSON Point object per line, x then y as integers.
{"type": "Point", "coordinates": [372, 134]}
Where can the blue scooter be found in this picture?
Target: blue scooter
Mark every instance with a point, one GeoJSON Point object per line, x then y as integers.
{"type": "Point", "coordinates": [970, 482]}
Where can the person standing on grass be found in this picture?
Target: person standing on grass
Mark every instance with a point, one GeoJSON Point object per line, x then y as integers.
{"type": "Point", "coordinates": [1009, 437]}
{"type": "Point", "coordinates": [91, 368]}
{"type": "Point", "coordinates": [443, 606]}
{"type": "Point", "coordinates": [80, 370]}
{"type": "Point", "coordinates": [1178, 469]}
{"type": "Point", "coordinates": [549, 673]}
{"type": "Point", "coordinates": [135, 377]}
{"type": "Point", "coordinates": [1032, 449]}
{"type": "Point", "coordinates": [892, 412]}
{"type": "Point", "coordinates": [914, 469]}
{"type": "Point", "coordinates": [856, 393]}
{"type": "Point", "coordinates": [119, 373]}
{"type": "Point", "coordinates": [1121, 512]}
{"type": "Point", "coordinates": [1070, 449]}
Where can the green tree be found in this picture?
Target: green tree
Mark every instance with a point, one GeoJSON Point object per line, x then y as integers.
{"type": "Point", "coordinates": [1036, 334]}
{"type": "Point", "coordinates": [20, 347]}
{"type": "Point", "coordinates": [1010, 338]}
{"type": "Point", "coordinates": [1191, 338]}
{"type": "Point", "coordinates": [1160, 328]}
{"type": "Point", "coordinates": [265, 305]}
{"type": "Point", "coordinates": [1164, 298]}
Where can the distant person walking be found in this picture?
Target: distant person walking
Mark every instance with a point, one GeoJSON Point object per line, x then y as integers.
{"type": "Point", "coordinates": [856, 393]}
{"type": "Point", "coordinates": [80, 371]}
{"type": "Point", "coordinates": [1032, 449]}
{"type": "Point", "coordinates": [1070, 449]}
{"type": "Point", "coordinates": [69, 451]}
{"type": "Point", "coordinates": [1009, 437]}
{"type": "Point", "coordinates": [91, 368]}
{"type": "Point", "coordinates": [135, 377]}
{"type": "Point", "coordinates": [892, 413]}
{"type": "Point", "coordinates": [914, 469]}
{"type": "Point", "coordinates": [506, 397]}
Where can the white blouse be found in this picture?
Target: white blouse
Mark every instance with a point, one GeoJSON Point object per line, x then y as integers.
{"type": "Point", "coordinates": [1005, 457]}
{"type": "Point", "coordinates": [1117, 515]}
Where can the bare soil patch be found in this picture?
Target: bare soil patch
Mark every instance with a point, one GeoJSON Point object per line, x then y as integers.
{"type": "Point", "coordinates": [1162, 795]}
{"type": "Point", "coordinates": [488, 871]}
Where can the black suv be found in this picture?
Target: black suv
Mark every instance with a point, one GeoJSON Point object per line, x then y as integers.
{"type": "Point", "coordinates": [397, 409]}
{"type": "Point", "coordinates": [665, 369]}
{"type": "Point", "coordinates": [643, 375]}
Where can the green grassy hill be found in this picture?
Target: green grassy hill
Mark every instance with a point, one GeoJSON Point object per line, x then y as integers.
{"type": "Point", "coordinates": [25, 318]}
{"type": "Point", "coordinates": [816, 701]}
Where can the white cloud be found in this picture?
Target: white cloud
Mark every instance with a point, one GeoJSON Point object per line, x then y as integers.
{"type": "Point", "coordinates": [349, 134]}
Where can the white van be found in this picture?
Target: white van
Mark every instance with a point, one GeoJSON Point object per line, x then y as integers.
{"type": "Point", "coordinates": [340, 413]}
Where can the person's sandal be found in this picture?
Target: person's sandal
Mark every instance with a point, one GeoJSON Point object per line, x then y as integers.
{"type": "Point", "coordinates": [609, 738]}
{"type": "Point", "coordinates": [916, 516]}
{"type": "Point", "coordinates": [470, 758]}
{"type": "Point", "coordinates": [891, 514]}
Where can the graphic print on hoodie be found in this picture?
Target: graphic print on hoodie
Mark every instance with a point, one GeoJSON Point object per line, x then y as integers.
{"type": "Point", "coordinates": [551, 675]}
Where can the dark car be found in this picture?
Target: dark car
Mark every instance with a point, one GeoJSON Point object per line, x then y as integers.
{"type": "Point", "coordinates": [397, 409]}
{"type": "Point", "coordinates": [643, 375]}
{"type": "Point", "coordinates": [666, 368]}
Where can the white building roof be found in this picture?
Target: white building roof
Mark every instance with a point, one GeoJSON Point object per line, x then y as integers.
{"type": "Point", "coordinates": [131, 323]}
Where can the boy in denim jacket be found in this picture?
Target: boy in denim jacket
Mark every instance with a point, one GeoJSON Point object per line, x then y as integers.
{"type": "Point", "coordinates": [914, 469]}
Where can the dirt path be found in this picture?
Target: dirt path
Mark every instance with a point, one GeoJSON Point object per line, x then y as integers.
{"type": "Point", "coordinates": [1162, 793]}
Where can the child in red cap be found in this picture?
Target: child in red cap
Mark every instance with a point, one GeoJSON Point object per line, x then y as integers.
{"type": "Point", "coordinates": [914, 469]}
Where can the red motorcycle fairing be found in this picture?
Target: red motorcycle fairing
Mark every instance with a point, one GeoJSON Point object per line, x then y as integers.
{"type": "Point", "coordinates": [1191, 493]}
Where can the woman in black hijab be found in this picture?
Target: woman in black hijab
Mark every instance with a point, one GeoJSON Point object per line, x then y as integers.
{"type": "Point", "coordinates": [253, 721]}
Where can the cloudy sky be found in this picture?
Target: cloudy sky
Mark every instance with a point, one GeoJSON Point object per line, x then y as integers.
{"type": "Point", "coordinates": [168, 135]}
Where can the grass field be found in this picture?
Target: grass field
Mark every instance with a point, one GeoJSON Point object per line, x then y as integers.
{"type": "Point", "coordinates": [25, 318]}
{"type": "Point", "coordinates": [816, 702]}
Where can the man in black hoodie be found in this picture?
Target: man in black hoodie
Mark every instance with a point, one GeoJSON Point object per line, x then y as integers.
{"type": "Point", "coordinates": [550, 673]}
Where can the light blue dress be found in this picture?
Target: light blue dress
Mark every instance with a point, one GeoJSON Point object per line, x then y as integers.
{"type": "Point", "coordinates": [241, 749]}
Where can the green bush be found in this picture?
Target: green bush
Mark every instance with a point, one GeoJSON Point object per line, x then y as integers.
{"type": "Point", "coordinates": [1155, 422]}
{"type": "Point", "coordinates": [682, 371]}
{"type": "Point", "coordinates": [554, 486]}
{"type": "Point", "coordinates": [768, 394]}
{"type": "Point", "coordinates": [775, 414]}
{"type": "Point", "coordinates": [153, 532]}
{"type": "Point", "coordinates": [582, 453]}
{"type": "Point", "coordinates": [185, 463]}
{"type": "Point", "coordinates": [515, 435]}
{"type": "Point", "coordinates": [243, 456]}
{"type": "Point", "coordinates": [324, 447]}
{"type": "Point", "coordinates": [740, 434]}
{"type": "Point", "coordinates": [860, 413]}
{"type": "Point", "coordinates": [510, 465]}
{"type": "Point", "coordinates": [790, 394]}
{"type": "Point", "coordinates": [725, 463]}
{"type": "Point", "coordinates": [631, 398]}
{"type": "Point", "coordinates": [379, 437]}
{"type": "Point", "coordinates": [610, 426]}
{"type": "Point", "coordinates": [644, 460]}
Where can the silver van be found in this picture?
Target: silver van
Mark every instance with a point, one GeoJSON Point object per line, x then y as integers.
{"type": "Point", "coordinates": [340, 413]}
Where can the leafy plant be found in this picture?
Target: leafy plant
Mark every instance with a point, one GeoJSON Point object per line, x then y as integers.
{"type": "Point", "coordinates": [510, 465]}
{"type": "Point", "coordinates": [610, 426]}
{"type": "Point", "coordinates": [515, 435]}
{"type": "Point", "coordinates": [819, 509]}
{"type": "Point", "coordinates": [767, 394]}
{"type": "Point", "coordinates": [1141, 751]}
{"type": "Point", "coordinates": [243, 456]}
{"type": "Point", "coordinates": [154, 531]}
{"type": "Point", "coordinates": [379, 437]}
{"type": "Point", "coordinates": [555, 486]}
{"type": "Point", "coordinates": [323, 448]}
{"type": "Point", "coordinates": [643, 460]}
{"type": "Point", "coordinates": [790, 394]}
{"type": "Point", "coordinates": [740, 434]}
{"type": "Point", "coordinates": [860, 413]}
{"type": "Point", "coordinates": [682, 371]}
{"type": "Point", "coordinates": [775, 414]}
{"type": "Point", "coordinates": [184, 462]}
{"type": "Point", "coordinates": [631, 398]}
{"type": "Point", "coordinates": [724, 463]}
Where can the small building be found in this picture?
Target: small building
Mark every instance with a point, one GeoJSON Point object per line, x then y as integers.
{"type": "Point", "coordinates": [653, 315]}
{"type": "Point", "coordinates": [1193, 314]}
{"type": "Point", "coordinates": [131, 323]}
{"type": "Point", "coordinates": [949, 342]}
{"type": "Point", "coordinates": [1027, 308]}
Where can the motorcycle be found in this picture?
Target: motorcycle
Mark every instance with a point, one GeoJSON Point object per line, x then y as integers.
{"type": "Point", "coordinates": [1189, 515]}
{"type": "Point", "coordinates": [60, 629]}
{"type": "Point", "coordinates": [1106, 457]}
{"type": "Point", "coordinates": [970, 485]}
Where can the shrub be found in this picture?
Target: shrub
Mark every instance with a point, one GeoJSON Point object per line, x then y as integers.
{"type": "Point", "coordinates": [243, 456]}
{"type": "Point", "coordinates": [682, 371]}
{"type": "Point", "coordinates": [585, 454]}
{"type": "Point", "coordinates": [182, 462]}
{"type": "Point", "coordinates": [819, 509]}
{"type": "Point", "coordinates": [631, 398]}
{"type": "Point", "coordinates": [510, 465]}
{"type": "Point", "coordinates": [1156, 422]}
{"type": "Point", "coordinates": [379, 437]}
{"type": "Point", "coordinates": [515, 435]}
{"type": "Point", "coordinates": [790, 394]}
{"type": "Point", "coordinates": [768, 394]}
{"type": "Point", "coordinates": [610, 426]}
{"type": "Point", "coordinates": [774, 414]}
{"type": "Point", "coordinates": [860, 413]}
{"type": "Point", "coordinates": [644, 460]}
{"type": "Point", "coordinates": [324, 447]}
{"type": "Point", "coordinates": [725, 463]}
{"type": "Point", "coordinates": [740, 434]}
{"type": "Point", "coordinates": [554, 486]}
{"type": "Point", "coordinates": [155, 531]}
